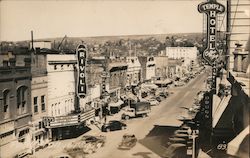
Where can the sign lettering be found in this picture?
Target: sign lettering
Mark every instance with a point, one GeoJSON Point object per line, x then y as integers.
{"type": "Point", "coordinates": [81, 56]}
{"type": "Point", "coordinates": [211, 8]}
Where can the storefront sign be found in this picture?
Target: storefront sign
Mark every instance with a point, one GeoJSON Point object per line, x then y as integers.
{"type": "Point", "coordinates": [211, 8]}
{"type": "Point", "coordinates": [61, 121]}
{"type": "Point", "coordinates": [81, 56]}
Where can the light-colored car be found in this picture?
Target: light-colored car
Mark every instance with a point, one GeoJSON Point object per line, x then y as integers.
{"type": "Point", "coordinates": [128, 142]}
{"type": "Point", "coordinates": [61, 155]}
{"type": "Point", "coordinates": [153, 102]}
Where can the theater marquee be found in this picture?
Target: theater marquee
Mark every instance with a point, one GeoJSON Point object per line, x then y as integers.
{"type": "Point", "coordinates": [211, 8]}
{"type": "Point", "coordinates": [81, 56]}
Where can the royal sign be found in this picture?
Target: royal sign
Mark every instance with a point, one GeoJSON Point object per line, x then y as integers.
{"type": "Point", "coordinates": [211, 8]}
{"type": "Point", "coordinates": [81, 56]}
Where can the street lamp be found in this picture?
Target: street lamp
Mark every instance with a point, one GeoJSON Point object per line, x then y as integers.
{"type": "Point", "coordinates": [193, 134]}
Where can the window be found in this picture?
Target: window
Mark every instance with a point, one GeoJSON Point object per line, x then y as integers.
{"type": "Point", "coordinates": [35, 104]}
{"type": "Point", "coordinates": [22, 96]}
{"type": "Point", "coordinates": [43, 102]}
{"type": "Point", "coordinates": [6, 100]}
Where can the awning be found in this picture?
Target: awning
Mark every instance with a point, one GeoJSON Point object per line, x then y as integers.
{"type": "Point", "coordinates": [166, 81]}
{"type": "Point", "coordinates": [39, 132]}
{"type": "Point", "coordinates": [149, 85]}
{"type": "Point", "coordinates": [117, 104]}
{"type": "Point", "coordinates": [238, 143]}
{"type": "Point", "coordinates": [131, 96]}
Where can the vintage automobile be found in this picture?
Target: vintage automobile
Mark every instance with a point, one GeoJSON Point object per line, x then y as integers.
{"type": "Point", "coordinates": [62, 155]}
{"type": "Point", "coordinates": [96, 141]}
{"type": "Point", "coordinates": [113, 126]}
{"type": "Point", "coordinates": [153, 102]}
{"type": "Point", "coordinates": [86, 145]}
{"type": "Point", "coordinates": [128, 142]}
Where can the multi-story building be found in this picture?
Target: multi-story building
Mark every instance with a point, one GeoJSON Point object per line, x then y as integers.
{"type": "Point", "coordinates": [39, 97]}
{"type": "Point", "coordinates": [61, 83]}
{"type": "Point", "coordinates": [147, 67]}
{"type": "Point", "coordinates": [134, 71]}
{"type": "Point", "coordinates": [117, 71]}
{"type": "Point", "coordinates": [181, 52]}
{"type": "Point", "coordinates": [161, 66]}
{"type": "Point", "coordinates": [15, 104]}
{"type": "Point", "coordinates": [239, 29]}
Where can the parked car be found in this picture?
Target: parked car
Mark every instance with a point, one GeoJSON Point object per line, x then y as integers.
{"type": "Point", "coordinates": [153, 102]}
{"type": "Point", "coordinates": [178, 84]}
{"type": "Point", "coordinates": [113, 126]}
{"type": "Point", "coordinates": [128, 142]}
{"type": "Point", "coordinates": [61, 155]}
{"type": "Point", "coordinates": [158, 98]}
{"type": "Point", "coordinates": [97, 141]}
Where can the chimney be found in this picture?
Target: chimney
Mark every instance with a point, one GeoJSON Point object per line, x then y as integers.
{"type": "Point", "coordinates": [32, 41]}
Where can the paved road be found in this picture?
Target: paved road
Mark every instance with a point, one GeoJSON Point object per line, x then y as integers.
{"type": "Point", "coordinates": [152, 132]}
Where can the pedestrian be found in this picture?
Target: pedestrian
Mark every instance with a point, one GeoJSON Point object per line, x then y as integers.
{"type": "Point", "coordinates": [105, 119]}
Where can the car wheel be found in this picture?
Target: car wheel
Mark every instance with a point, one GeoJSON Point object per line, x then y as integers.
{"type": "Point", "coordinates": [123, 127]}
{"type": "Point", "coordinates": [126, 117]}
{"type": "Point", "coordinates": [108, 130]}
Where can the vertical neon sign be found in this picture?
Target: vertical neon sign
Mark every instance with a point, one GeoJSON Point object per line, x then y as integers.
{"type": "Point", "coordinates": [211, 8]}
{"type": "Point", "coordinates": [81, 56]}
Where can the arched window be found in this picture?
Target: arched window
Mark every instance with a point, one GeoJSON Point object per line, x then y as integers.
{"type": "Point", "coordinates": [22, 96]}
{"type": "Point", "coordinates": [6, 103]}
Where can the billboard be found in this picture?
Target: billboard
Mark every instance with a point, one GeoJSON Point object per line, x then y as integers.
{"type": "Point", "coordinates": [81, 58]}
{"type": "Point", "coordinates": [211, 8]}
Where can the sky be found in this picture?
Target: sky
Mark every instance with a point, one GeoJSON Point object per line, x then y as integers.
{"type": "Point", "coordinates": [85, 18]}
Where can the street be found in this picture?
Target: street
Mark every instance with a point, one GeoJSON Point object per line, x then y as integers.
{"type": "Point", "coordinates": [152, 132]}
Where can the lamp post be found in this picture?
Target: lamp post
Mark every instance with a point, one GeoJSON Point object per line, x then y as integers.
{"type": "Point", "coordinates": [193, 134]}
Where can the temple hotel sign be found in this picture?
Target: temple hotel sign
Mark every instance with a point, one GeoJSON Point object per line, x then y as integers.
{"type": "Point", "coordinates": [211, 8]}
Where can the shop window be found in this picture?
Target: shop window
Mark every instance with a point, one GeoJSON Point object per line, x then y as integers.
{"type": "Point", "coordinates": [43, 102]}
{"type": "Point", "coordinates": [35, 104]}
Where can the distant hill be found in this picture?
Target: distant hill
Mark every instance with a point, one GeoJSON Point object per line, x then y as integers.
{"type": "Point", "coordinates": [103, 39]}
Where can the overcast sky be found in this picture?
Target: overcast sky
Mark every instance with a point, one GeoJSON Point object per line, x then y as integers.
{"type": "Point", "coordinates": [96, 18]}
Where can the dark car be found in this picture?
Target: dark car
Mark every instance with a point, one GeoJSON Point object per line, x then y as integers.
{"type": "Point", "coordinates": [113, 126]}
{"type": "Point", "coordinates": [97, 141]}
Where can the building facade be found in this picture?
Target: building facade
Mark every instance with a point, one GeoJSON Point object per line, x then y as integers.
{"type": "Point", "coordinates": [61, 84]}
{"type": "Point", "coordinates": [161, 66]}
{"type": "Point", "coordinates": [39, 98]}
{"type": "Point", "coordinates": [181, 52]}
{"type": "Point", "coordinates": [148, 67]}
{"type": "Point", "coordinates": [134, 71]}
{"type": "Point", "coordinates": [239, 28]}
{"type": "Point", "coordinates": [15, 104]}
{"type": "Point", "coordinates": [117, 72]}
